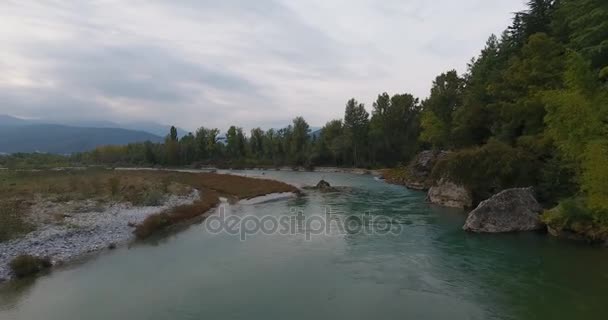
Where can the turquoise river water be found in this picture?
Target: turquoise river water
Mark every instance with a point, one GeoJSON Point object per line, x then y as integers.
{"type": "Point", "coordinates": [431, 269]}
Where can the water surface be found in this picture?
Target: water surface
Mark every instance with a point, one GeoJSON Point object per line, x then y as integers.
{"type": "Point", "coordinates": [431, 270]}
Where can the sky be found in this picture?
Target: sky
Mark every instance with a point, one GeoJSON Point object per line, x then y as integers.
{"type": "Point", "coordinates": [217, 63]}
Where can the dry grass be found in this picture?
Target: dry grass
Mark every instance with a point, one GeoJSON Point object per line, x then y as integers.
{"type": "Point", "coordinates": [211, 186]}
{"type": "Point", "coordinates": [12, 222]}
{"type": "Point", "coordinates": [209, 199]}
{"type": "Point", "coordinates": [395, 175]}
{"type": "Point", "coordinates": [238, 186]}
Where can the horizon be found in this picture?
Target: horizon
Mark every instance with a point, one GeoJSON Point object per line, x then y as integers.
{"type": "Point", "coordinates": [237, 63]}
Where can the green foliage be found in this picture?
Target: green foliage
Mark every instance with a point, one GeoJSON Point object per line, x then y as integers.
{"type": "Point", "coordinates": [394, 127]}
{"type": "Point", "coordinates": [34, 161]}
{"type": "Point", "coordinates": [26, 265]}
{"type": "Point", "coordinates": [488, 169]}
{"type": "Point", "coordinates": [434, 131]}
{"type": "Point", "coordinates": [584, 24]}
{"type": "Point", "coordinates": [594, 180]}
{"type": "Point", "coordinates": [446, 97]}
{"type": "Point", "coordinates": [573, 215]}
{"type": "Point", "coordinates": [520, 109]}
{"type": "Point", "coordinates": [356, 126]}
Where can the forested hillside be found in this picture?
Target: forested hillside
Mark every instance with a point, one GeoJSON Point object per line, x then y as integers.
{"type": "Point", "coordinates": [532, 109]}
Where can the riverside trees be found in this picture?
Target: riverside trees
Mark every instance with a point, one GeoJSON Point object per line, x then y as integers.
{"type": "Point", "coordinates": [532, 109]}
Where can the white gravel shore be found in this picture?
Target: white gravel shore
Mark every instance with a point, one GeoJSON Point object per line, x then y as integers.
{"type": "Point", "coordinates": [268, 198]}
{"type": "Point", "coordinates": [82, 233]}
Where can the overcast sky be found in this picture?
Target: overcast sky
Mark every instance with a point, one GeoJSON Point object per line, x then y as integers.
{"type": "Point", "coordinates": [221, 62]}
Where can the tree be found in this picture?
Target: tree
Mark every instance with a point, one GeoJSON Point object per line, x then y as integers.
{"type": "Point", "coordinates": [584, 25]}
{"type": "Point", "coordinates": [331, 147]}
{"type": "Point", "coordinates": [519, 106]}
{"type": "Point", "coordinates": [438, 109]}
{"type": "Point", "coordinates": [577, 119]}
{"type": "Point", "coordinates": [256, 142]}
{"type": "Point", "coordinates": [187, 149]}
{"type": "Point", "coordinates": [172, 147]}
{"type": "Point", "coordinates": [173, 134]}
{"type": "Point", "coordinates": [472, 123]}
{"type": "Point", "coordinates": [235, 140]}
{"type": "Point", "coordinates": [299, 140]}
{"type": "Point", "coordinates": [356, 123]}
{"type": "Point", "coordinates": [393, 128]}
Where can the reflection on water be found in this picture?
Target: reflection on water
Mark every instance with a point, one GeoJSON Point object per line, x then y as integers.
{"type": "Point", "coordinates": [431, 270]}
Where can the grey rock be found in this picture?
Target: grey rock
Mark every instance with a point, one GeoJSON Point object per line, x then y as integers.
{"type": "Point", "coordinates": [324, 186]}
{"type": "Point", "coordinates": [449, 194]}
{"type": "Point", "coordinates": [510, 210]}
{"type": "Point", "coordinates": [419, 170]}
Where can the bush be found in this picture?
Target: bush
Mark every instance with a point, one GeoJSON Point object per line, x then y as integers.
{"type": "Point", "coordinates": [160, 221]}
{"type": "Point", "coordinates": [11, 216]}
{"type": "Point", "coordinates": [152, 198]}
{"type": "Point", "coordinates": [488, 169]}
{"type": "Point", "coordinates": [575, 216]}
{"type": "Point", "coordinates": [114, 184]}
{"type": "Point", "coordinates": [27, 265]}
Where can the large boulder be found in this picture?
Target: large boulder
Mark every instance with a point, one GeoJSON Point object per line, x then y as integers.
{"type": "Point", "coordinates": [324, 186]}
{"type": "Point", "coordinates": [510, 210]}
{"type": "Point", "coordinates": [448, 194]}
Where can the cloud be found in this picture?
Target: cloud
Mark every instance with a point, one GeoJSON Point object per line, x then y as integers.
{"type": "Point", "coordinates": [217, 63]}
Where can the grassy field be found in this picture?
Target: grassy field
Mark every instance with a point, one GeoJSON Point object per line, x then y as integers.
{"type": "Point", "coordinates": [20, 191]}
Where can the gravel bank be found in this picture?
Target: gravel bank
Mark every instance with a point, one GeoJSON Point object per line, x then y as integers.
{"type": "Point", "coordinates": [268, 198]}
{"type": "Point", "coordinates": [82, 233]}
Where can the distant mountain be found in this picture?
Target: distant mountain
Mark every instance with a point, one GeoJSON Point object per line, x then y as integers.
{"type": "Point", "coordinates": [152, 127]}
{"type": "Point", "coordinates": [61, 139]}
{"type": "Point", "coordinates": [6, 120]}
{"type": "Point", "coordinates": [146, 126]}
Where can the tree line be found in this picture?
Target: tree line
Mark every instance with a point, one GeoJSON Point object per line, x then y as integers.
{"type": "Point", "coordinates": [387, 137]}
{"type": "Point", "coordinates": [531, 109]}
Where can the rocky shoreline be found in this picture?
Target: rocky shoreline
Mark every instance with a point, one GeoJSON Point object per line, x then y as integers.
{"type": "Point", "coordinates": [84, 232]}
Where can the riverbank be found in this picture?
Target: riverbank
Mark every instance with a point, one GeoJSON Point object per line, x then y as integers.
{"type": "Point", "coordinates": [84, 232]}
{"type": "Point", "coordinates": [65, 214]}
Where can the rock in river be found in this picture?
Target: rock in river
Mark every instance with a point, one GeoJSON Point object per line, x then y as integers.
{"type": "Point", "coordinates": [324, 185]}
{"type": "Point", "coordinates": [449, 194]}
{"type": "Point", "coordinates": [510, 210]}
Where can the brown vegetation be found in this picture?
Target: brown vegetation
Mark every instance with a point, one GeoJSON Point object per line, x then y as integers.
{"type": "Point", "coordinates": [210, 186]}
{"type": "Point", "coordinates": [26, 265]}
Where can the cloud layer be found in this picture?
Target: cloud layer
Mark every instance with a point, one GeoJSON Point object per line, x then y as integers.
{"type": "Point", "coordinates": [216, 63]}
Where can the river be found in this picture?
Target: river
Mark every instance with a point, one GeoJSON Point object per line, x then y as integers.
{"type": "Point", "coordinates": [431, 269]}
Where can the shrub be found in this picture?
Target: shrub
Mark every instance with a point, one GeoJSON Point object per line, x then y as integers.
{"type": "Point", "coordinates": [152, 198]}
{"type": "Point", "coordinates": [11, 215]}
{"type": "Point", "coordinates": [114, 184]}
{"type": "Point", "coordinates": [488, 169]}
{"type": "Point", "coordinates": [157, 222]}
{"type": "Point", "coordinates": [27, 265]}
{"type": "Point", "coordinates": [574, 215]}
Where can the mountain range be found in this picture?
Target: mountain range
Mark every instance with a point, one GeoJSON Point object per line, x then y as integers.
{"type": "Point", "coordinates": [25, 135]}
